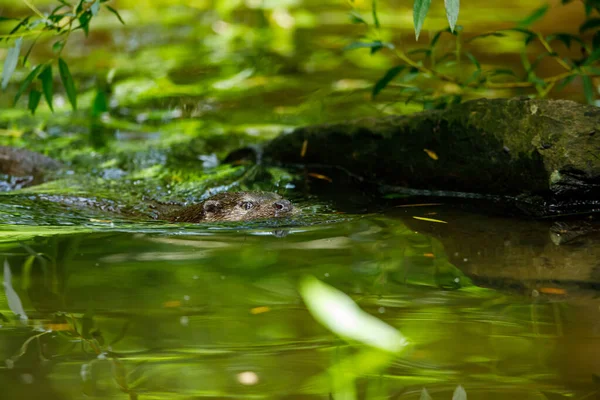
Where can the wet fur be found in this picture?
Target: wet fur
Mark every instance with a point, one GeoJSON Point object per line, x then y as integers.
{"type": "Point", "coordinates": [235, 206]}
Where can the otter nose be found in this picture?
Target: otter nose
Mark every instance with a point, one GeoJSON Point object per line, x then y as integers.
{"type": "Point", "coordinates": [283, 205]}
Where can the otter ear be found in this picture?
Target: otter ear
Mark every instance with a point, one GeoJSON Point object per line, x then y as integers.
{"type": "Point", "coordinates": [211, 206]}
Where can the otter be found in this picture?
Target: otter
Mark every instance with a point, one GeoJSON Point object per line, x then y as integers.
{"type": "Point", "coordinates": [34, 168]}
{"type": "Point", "coordinates": [234, 206]}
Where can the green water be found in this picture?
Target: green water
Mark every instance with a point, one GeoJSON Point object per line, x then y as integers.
{"type": "Point", "coordinates": [122, 308]}
{"type": "Point", "coordinates": [167, 311]}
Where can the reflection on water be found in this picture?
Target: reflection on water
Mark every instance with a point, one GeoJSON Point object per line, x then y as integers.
{"type": "Point", "coordinates": [187, 313]}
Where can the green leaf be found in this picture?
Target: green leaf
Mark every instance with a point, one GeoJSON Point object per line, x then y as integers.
{"type": "Point", "coordinates": [100, 104]}
{"type": "Point", "coordinates": [84, 22]}
{"type": "Point", "coordinates": [357, 19]}
{"type": "Point", "coordinates": [26, 57]}
{"type": "Point", "coordinates": [26, 272]}
{"type": "Point", "coordinates": [529, 35]}
{"type": "Point", "coordinates": [501, 71]}
{"type": "Point", "coordinates": [588, 89]}
{"type": "Point", "coordinates": [387, 78]}
{"type": "Point", "coordinates": [472, 58]}
{"type": "Point", "coordinates": [596, 40]}
{"type": "Point", "coordinates": [565, 38]}
{"type": "Point", "coordinates": [437, 36]}
{"type": "Point", "coordinates": [565, 82]}
{"type": "Point", "coordinates": [69, 84]}
{"type": "Point", "coordinates": [534, 16]}
{"type": "Point", "coordinates": [11, 61]}
{"type": "Point", "coordinates": [452, 8]}
{"type": "Point", "coordinates": [474, 76]}
{"type": "Point", "coordinates": [23, 22]}
{"type": "Point", "coordinates": [377, 45]}
{"type": "Point", "coordinates": [47, 87]}
{"type": "Point", "coordinates": [112, 10]}
{"type": "Point", "coordinates": [592, 57]}
{"type": "Point", "coordinates": [374, 9]}
{"type": "Point", "coordinates": [420, 8]}
{"type": "Point", "coordinates": [27, 81]}
{"type": "Point", "coordinates": [591, 23]}
{"type": "Point", "coordinates": [484, 35]}
{"type": "Point", "coordinates": [338, 313]}
{"type": "Point", "coordinates": [34, 100]}
{"type": "Point", "coordinates": [426, 52]}
{"type": "Point", "coordinates": [58, 46]}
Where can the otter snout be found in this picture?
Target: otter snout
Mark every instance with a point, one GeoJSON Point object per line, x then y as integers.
{"type": "Point", "coordinates": [283, 206]}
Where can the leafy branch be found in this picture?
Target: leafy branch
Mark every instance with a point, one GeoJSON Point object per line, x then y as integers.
{"type": "Point", "coordinates": [423, 62]}
{"type": "Point", "coordinates": [64, 19]}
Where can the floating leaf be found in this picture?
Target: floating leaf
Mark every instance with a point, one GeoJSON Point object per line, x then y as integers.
{"type": "Point", "coordinates": [420, 8]}
{"type": "Point", "coordinates": [431, 154]}
{"type": "Point", "coordinates": [27, 81]}
{"type": "Point", "coordinates": [112, 10]}
{"type": "Point", "coordinates": [439, 221]}
{"type": "Point", "coordinates": [34, 100]}
{"type": "Point", "coordinates": [452, 8]}
{"type": "Point", "coordinates": [387, 78]}
{"type": "Point", "coordinates": [69, 84]}
{"type": "Point", "coordinates": [534, 16]}
{"type": "Point", "coordinates": [11, 61]}
{"type": "Point", "coordinates": [338, 313]}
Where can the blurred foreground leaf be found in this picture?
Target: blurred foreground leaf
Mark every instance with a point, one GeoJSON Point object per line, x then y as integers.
{"type": "Point", "coordinates": [336, 311]}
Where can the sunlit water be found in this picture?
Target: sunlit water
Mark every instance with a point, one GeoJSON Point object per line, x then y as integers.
{"type": "Point", "coordinates": [163, 311]}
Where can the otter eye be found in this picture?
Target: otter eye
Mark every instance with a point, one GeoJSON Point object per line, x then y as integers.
{"type": "Point", "coordinates": [247, 205]}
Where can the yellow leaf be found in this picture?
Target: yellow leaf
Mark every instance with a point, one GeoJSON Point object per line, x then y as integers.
{"type": "Point", "coordinates": [304, 147]}
{"type": "Point", "coordinates": [430, 220]}
{"type": "Point", "coordinates": [431, 154]}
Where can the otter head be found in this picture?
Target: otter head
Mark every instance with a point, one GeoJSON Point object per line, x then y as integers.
{"type": "Point", "coordinates": [244, 206]}
{"type": "Point", "coordinates": [236, 206]}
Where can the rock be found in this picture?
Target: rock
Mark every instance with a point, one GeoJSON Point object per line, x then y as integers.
{"type": "Point", "coordinates": [542, 153]}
